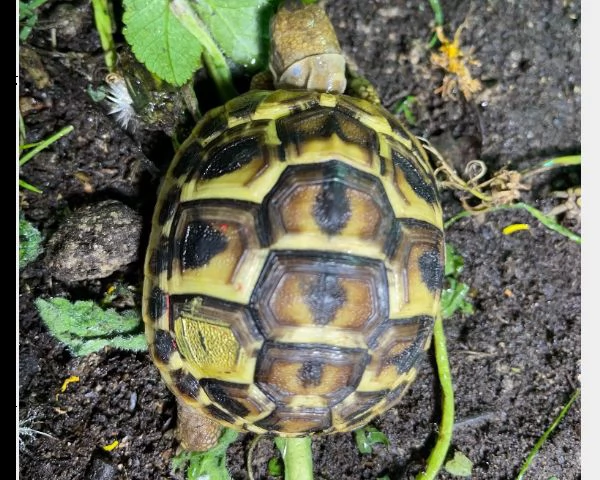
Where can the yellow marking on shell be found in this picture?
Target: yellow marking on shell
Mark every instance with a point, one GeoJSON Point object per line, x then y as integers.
{"type": "Point", "coordinates": [278, 104]}
{"type": "Point", "coordinates": [374, 379]}
{"type": "Point", "coordinates": [409, 295]}
{"type": "Point", "coordinates": [407, 204]}
{"type": "Point", "coordinates": [323, 242]}
{"type": "Point", "coordinates": [210, 349]}
{"type": "Point", "coordinates": [323, 335]}
{"type": "Point", "coordinates": [232, 185]}
{"type": "Point", "coordinates": [328, 100]}
{"type": "Point", "coordinates": [216, 282]}
{"type": "Point", "coordinates": [396, 291]}
{"type": "Point", "coordinates": [307, 401]}
{"type": "Point", "coordinates": [324, 149]}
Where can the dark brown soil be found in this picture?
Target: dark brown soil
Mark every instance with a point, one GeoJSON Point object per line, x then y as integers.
{"type": "Point", "coordinates": [515, 361]}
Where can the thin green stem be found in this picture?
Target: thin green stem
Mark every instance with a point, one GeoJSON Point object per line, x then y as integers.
{"type": "Point", "coordinates": [297, 457]}
{"type": "Point", "coordinates": [457, 217]}
{"type": "Point", "coordinates": [43, 144]}
{"type": "Point", "coordinates": [548, 222]}
{"type": "Point", "coordinates": [104, 25]}
{"type": "Point", "coordinates": [544, 219]}
{"type": "Point", "coordinates": [546, 434]}
{"type": "Point", "coordinates": [213, 58]}
{"type": "Point", "coordinates": [440, 450]}
{"type": "Point", "coordinates": [556, 162]}
{"type": "Point", "coordinates": [28, 186]}
{"type": "Point", "coordinates": [438, 14]}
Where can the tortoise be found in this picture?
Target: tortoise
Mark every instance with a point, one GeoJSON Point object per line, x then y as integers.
{"type": "Point", "coordinates": [295, 263]}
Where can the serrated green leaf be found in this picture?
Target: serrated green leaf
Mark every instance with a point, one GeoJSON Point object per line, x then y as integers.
{"type": "Point", "coordinates": [85, 327]}
{"type": "Point", "coordinates": [240, 27]}
{"type": "Point", "coordinates": [459, 465]}
{"type": "Point", "coordinates": [160, 41]}
{"type": "Point", "coordinates": [30, 242]}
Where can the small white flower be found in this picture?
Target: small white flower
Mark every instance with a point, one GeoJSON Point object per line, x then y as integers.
{"type": "Point", "coordinates": [122, 103]}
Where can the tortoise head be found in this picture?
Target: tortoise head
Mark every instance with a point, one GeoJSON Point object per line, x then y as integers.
{"type": "Point", "coordinates": [305, 53]}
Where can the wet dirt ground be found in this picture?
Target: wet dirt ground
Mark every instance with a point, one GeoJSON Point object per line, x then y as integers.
{"type": "Point", "coordinates": [515, 360]}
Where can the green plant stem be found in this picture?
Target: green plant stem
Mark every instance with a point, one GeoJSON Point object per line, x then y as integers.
{"type": "Point", "coordinates": [546, 434]}
{"type": "Point", "coordinates": [440, 450]}
{"type": "Point", "coordinates": [438, 14]}
{"type": "Point", "coordinates": [556, 162]}
{"type": "Point", "coordinates": [297, 457]}
{"type": "Point", "coordinates": [104, 25]}
{"type": "Point", "coordinates": [38, 147]}
{"type": "Point", "coordinates": [213, 58]}
{"type": "Point", "coordinates": [28, 186]}
{"type": "Point", "coordinates": [544, 219]}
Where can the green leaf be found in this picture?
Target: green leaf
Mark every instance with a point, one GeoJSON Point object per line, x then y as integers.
{"type": "Point", "coordinates": [209, 465]}
{"type": "Point", "coordinates": [459, 465]}
{"type": "Point", "coordinates": [160, 41]}
{"type": "Point", "coordinates": [456, 296]}
{"type": "Point", "coordinates": [30, 242]}
{"type": "Point", "coordinates": [454, 262]}
{"type": "Point", "coordinates": [275, 467]}
{"type": "Point", "coordinates": [405, 106]}
{"type": "Point", "coordinates": [173, 37]}
{"type": "Point", "coordinates": [86, 328]}
{"type": "Point", "coordinates": [239, 27]}
{"type": "Point", "coordinates": [366, 437]}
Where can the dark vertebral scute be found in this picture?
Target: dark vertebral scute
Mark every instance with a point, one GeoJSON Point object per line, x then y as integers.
{"type": "Point", "coordinates": [288, 290]}
{"type": "Point", "coordinates": [286, 371]}
{"type": "Point", "coordinates": [325, 192]}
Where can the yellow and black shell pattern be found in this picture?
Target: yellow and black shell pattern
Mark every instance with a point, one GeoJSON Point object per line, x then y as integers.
{"type": "Point", "coordinates": [295, 263]}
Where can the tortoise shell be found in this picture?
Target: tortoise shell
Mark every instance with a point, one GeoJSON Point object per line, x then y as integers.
{"type": "Point", "coordinates": [295, 263]}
